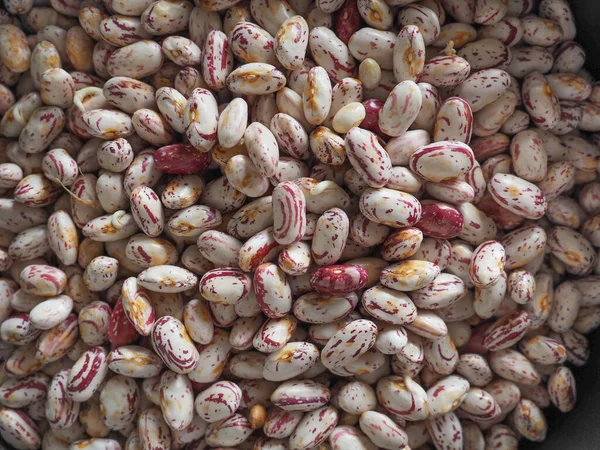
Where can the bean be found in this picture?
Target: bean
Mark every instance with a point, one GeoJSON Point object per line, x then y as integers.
{"type": "Point", "coordinates": [18, 429]}
{"type": "Point", "coordinates": [530, 421]}
{"type": "Point", "coordinates": [540, 101]}
{"type": "Point", "coordinates": [272, 290]}
{"type": "Point", "coordinates": [93, 367]}
{"type": "Point", "coordinates": [517, 195]}
{"type": "Point", "coordinates": [331, 53]}
{"type": "Point", "coordinates": [153, 429]}
{"type": "Point", "coordinates": [268, 78]}
{"type": "Point", "coordinates": [406, 392]}
{"type": "Point", "coordinates": [211, 410]}
{"type": "Point", "coordinates": [201, 133]}
{"type": "Point", "coordinates": [440, 220]}
{"type": "Point", "coordinates": [15, 52]}
{"type": "Point", "coordinates": [405, 101]}
{"type": "Point", "coordinates": [369, 73]}
{"type": "Point", "coordinates": [367, 157]}
{"type": "Point", "coordinates": [513, 366]}
{"type": "Point", "coordinates": [119, 401]}
{"type": "Point", "coordinates": [316, 97]}
{"type": "Point", "coordinates": [338, 279]}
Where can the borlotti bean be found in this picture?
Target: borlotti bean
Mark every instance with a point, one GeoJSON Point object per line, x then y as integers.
{"type": "Point", "coordinates": [346, 224]}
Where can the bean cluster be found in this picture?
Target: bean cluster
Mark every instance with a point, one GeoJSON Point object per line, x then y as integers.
{"type": "Point", "coordinates": [294, 225]}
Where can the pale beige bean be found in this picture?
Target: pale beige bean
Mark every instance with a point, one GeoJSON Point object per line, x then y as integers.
{"type": "Point", "coordinates": [369, 73]}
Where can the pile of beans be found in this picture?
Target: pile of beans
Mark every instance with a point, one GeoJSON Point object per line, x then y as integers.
{"type": "Point", "coordinates": [294, 225]}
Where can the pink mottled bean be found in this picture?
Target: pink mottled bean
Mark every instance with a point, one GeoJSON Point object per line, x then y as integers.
{"type": "Point", "coordinates": [316, 98]}
{"type": "Point", "coordinates": [272, 290]}
{"type": "Point", "coordinates": [529, 421]}
{"type": "Point", "coordinates": [521, 286]}
{"type": "Point", "coordinates": [122, 30]}
{"type": "Point", "coordinates": [18, 429]}
{"type": "Point", "coordinates": [93, 323]}
{"type": "Point", "coordinates": [517, 195]}
{"type": "Point", "coordinates": [153, 430]}
{"type": "Point", "coordinates": [444, 71]}
{"type": "Point", "coordinates": [572, 249]}
{"type": "Point", "coordinates": [389, 305]}
{"type": "Point", "coordinates": [400, 109]}
{"type": "Point", "coordinates": [173, 345]}
{"type": "Point", "coordinates": [61, 410]}
{"type": "Point", "coordinates": [119, 402]}
{"type": "Point", "coordinates": [200, 119]}
{"type": "Point", "coordinates": [126, 359]}
{"type": "Point", "coordinates": [409, 54]}
{"type": "Point", "coordinates": [360, 334]}
{"type": "Point", "coordinates": [177, 400]}
{"type": "Point", "coordinates": [440, 220]}
{"type": "Point", "coordinates": [219, 401]}
{"type": "Point", "coordinates": [454, 121]}
{"type": "Point", "coordinates": [43, 280]}
{"type": "Point", "coordinates": [562, 389]}
{"type": "Point", "coordinates": [331, 53]}
{"type": "Point", "coordinates": [543, 350]}
{"type": "Point", "coordinates": [565, 307]}
{"type": "Point", "coordinates": [136, 60]}
{"type": "Point", "coordinates": [403, 397]}
{"type": "Point", "coordinates": [137, 306]}
{"type": "Point", "coordinates": [255, 79]}
{"type": "Point", "coordinates": [455, 157]}
{"type": "Point", "coordinates": [291, 42]}
{"type": "Point", "coordinates": [338, 279]}
{"type": "Point", "coordinates": [314, 428]}
{"type": "Point", "coordinates": [487, 264]}
{"type": "Point", "coordinates": [217, 60]}
{"type": "Point", "coordinates": [513, 366]}
{"type": "Point", "coordinates": [330, 236]}
{"type": "Point", "coordinates": [389, 207]}
{"type": "Point", "coordinates": [506, 331]}
{"type": "Point", "coordinates": [367, 157]}
{"type": "Point", "coordinates": [87, 374]}
{"type": "Point", "coordinates": [540, 101]}
{"type": "Point", "coordinates": [424, 18]}
{"type": "Point", "coordinates": [261, 247]}
{"type": "Point", "coordinates": [454, 191]}
{"type": "Point", "coordinates": [289, 213]}
{"type": "Point", "coordinates": [226, 285]}
{"type": "Point", "coordinates": [290, 361]}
